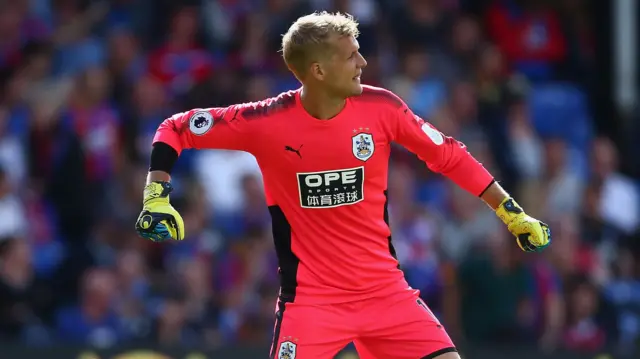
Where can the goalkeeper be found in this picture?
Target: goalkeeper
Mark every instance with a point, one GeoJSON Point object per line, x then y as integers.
{"type": "Point", "coordinates": [324, 154]}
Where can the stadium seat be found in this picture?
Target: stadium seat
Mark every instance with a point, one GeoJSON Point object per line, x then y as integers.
{"type": "Point", "coordinates": [561, 110]}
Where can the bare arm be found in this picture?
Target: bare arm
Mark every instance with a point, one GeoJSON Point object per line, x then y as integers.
{"type": "Point", "coordinates": [494, 195]}
{"type": "Point", "coordinates": [158, 176]}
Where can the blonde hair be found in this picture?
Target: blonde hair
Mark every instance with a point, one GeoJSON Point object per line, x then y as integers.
{"type": "Point", "coordinates": [307, 38]}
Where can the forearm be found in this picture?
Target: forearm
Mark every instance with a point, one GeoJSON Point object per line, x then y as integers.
{"type": "Point", "coordinates": [163, 157]}
{"type": "Point", "coordinates": [494, 195]}
{"type": "Point", "coordinates": [465, 171]}
{"type": "Point", "coordinates": [159, 221]}
{"type": "Point", "coordinates": [158, 176]}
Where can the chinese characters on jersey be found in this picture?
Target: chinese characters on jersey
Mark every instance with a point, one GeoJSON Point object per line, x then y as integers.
{"type": "Point", "coordinates": [331, 188]}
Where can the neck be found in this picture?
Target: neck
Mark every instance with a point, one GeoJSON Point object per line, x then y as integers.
{"type": "Point", "coordinates": [320, 104]}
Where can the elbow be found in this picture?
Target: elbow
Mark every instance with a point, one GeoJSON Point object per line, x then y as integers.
{"type": "Point", "coordinates": [440, 166]}
{"type": "Point", "coordinates": [169, 134]}
{"type": "Point", "coordinates": [445, 168]}
{"type": "Point", "coordinates": [163, 157]}
{"type": "Point", "coordinates": [451, 156]}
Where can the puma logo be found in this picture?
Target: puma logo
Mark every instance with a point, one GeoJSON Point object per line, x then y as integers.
{"type": "Point", "coordinates": [296, 151]}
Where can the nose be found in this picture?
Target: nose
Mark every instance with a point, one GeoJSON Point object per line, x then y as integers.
{"type": "Point", "coordinates": [363, 62]}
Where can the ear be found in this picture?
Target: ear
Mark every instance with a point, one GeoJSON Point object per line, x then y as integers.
{"type": "Point", "coordinates": [317, 71]}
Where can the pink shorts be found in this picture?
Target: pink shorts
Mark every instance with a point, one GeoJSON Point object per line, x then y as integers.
{"type": "Point", "coordinates": [399, 327]}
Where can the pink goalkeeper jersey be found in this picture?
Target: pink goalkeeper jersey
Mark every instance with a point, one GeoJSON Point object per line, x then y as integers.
{"type": "Point", "coordinates": [326, 183]}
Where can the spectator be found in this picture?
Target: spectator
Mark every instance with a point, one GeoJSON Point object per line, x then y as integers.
{"type": "Point", "coordinates": [24, 300]}
{"type": "Point", "coordinates": [583, 333]}
{"type": "Point", "coordinates": [619, 202]}
{"type": "Point", "coordinates": [181, 62]}
{"type": "Point", "coordinates": [565, 187]}
{"type": "Point", "coordinates": [496, 294]}
{"type": "Point", "coordinates": [623, 293]}
{"type": "Point", "coordinates": [530, 35]}
{"type": "Point", "coordinates": [93, 320]}
{"type": "Point", "coordinates": [418, 85]}
{"type": "Point", "coordinates": [133, 291]}
{"type": "Point", "coordinates": [11, 209]}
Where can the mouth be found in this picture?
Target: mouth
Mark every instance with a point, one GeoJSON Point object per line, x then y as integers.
{"type": "Point", "coordinates": [357, 77]}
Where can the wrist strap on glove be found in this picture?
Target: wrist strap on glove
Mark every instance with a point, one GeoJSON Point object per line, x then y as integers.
{"type": "Point", "coordinates": [156, 192]}
{"type": "Point", "coordinates": [508, 210]}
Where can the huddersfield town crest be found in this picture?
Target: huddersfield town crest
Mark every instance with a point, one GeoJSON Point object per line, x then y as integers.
{"type": "Point", "coordinates": [362, 145]}
{"type": "Point", "coordinates": [287, 350]}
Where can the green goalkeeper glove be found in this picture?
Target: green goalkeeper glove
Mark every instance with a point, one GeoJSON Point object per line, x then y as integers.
{"type": "Point", "coordinates": [531, 234]}
{"type": "Point", "coordinates": [159, 221]}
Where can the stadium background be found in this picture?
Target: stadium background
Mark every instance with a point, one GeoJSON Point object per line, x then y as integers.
{"type": "Point", "coordinates": [530, 86]}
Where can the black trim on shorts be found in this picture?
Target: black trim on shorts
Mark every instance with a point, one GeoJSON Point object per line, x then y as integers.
{"type": "Point", "coordinates": [440, 352]}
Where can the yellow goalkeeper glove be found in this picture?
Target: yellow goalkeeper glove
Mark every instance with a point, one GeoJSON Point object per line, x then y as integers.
{"type": "Point", "coordinates": [531, 234]}
{"type": "Point", "coordinates": [159, 221]}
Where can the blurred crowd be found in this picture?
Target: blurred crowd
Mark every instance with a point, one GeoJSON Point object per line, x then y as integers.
{"type": "Point", "coordinates": [84, 85]}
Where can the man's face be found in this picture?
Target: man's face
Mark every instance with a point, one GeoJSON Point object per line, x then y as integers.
{"type": "Point", "coordinates": [343, 68]}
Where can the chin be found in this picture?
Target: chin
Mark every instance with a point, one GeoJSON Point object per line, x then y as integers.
{"type": "Point", "coordinates": [357, 90]}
